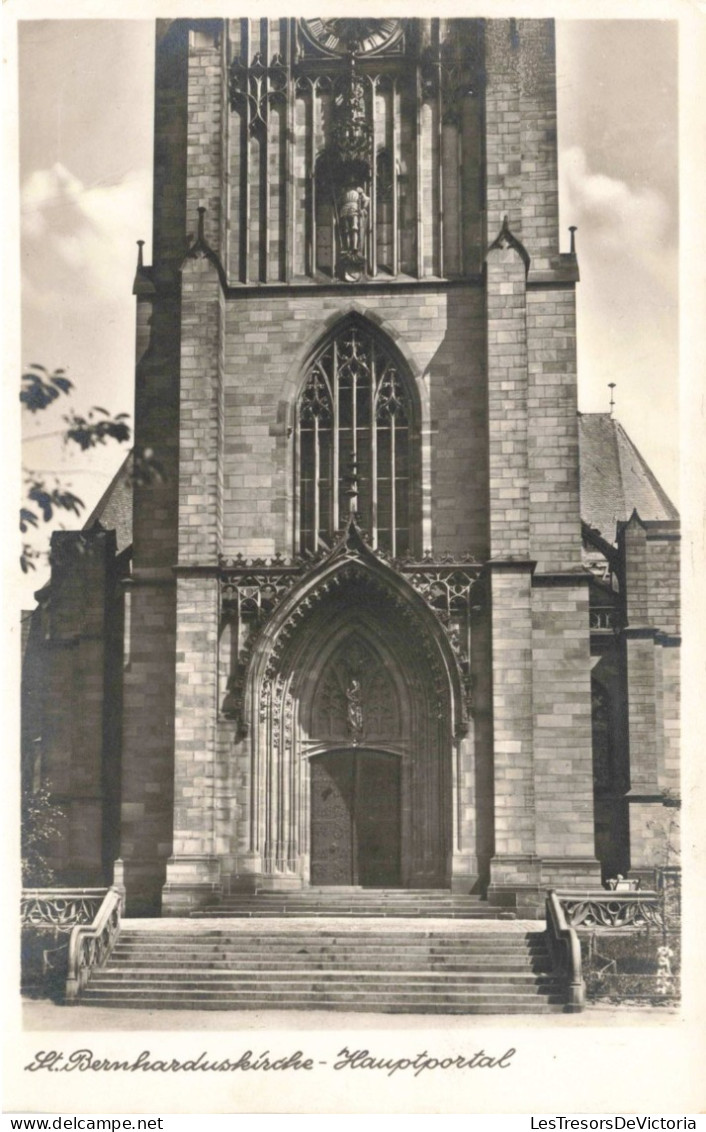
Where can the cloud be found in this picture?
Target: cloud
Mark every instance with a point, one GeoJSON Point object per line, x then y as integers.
{"type": "Point", "coordinates": [79, 240]}
{"type": "Point", "coordinates": [617, 220]}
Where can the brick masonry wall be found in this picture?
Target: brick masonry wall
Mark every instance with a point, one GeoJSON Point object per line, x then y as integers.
{"type": "Point", "coordinates": [170, 146]}
{"type": "Point", "coordinates": [148, 744]}
{"type": "Point", "coordinates": [503, 173]}
{"type": "Point", "coordinates": [563, 759]}
{"type": "Point", "coordinates": [204, 148]}
{"type": "Point", "coordinates": [155, 500]}
{"type": "Point", "coordinates": [148, 687]}
{"type": "Point", "coordinates": [65, 687]}
{"type": "Point", "coordinates": [200, 422]}
{"type": "Point", "coordinates": [663, 579]}
{"type": "Point", "coordinates": [555, 527]}
{"type": "Point", "coordinates": [196, 695]}
{"type": "Point", "coordinates": [670, 677]}
{"type": "Point", "coordinates": [642, 715]}
{"type": "Point", "coordinates": [266, 335]}
{"type": "Point", "coordinates": [654, 837]}
{"type": "Point", "coordinates": [651, 563]}
{"type": "Point", "coordinates": [538, 140]}
{"type": "Point", "coordinates": [637, 597]}
{"type": "Point", "coordinates": [507, 404]}
{"type": "Point", "coordinates": [521, 138]}
{"type": "Point", "coordinates": [513, 767]}
{"type": "Point", "coordinates": [651, 560]}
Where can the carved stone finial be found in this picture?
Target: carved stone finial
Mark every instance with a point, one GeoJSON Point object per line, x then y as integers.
{"type": "Point", "coordinates": [506, 239]}
{"type": "Point", "coordinates": [201, 237]}
{"type": "Point", "coordinates": [573, 229]}
{"type": "Point", "coordinates": [140, 262]}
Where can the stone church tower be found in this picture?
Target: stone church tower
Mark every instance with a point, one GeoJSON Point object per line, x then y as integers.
{"type": "Point", "coordinates": [358, 616]}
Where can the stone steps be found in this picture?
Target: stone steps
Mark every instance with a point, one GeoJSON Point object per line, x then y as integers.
{"type": "Point", "coordinates": [410, 969]}
{"type": "Point", "coordinates": [327, 936]}
{"type": "Point", "coordinates": [401, 1005]}
{"type": "Point", "coordinates": [271, 998]}
{"type": "Point", "coordinates": [310, 979]}
{"type": "Point", "coordinates": [431, 912]}
{"type": "Point", "coordinates": [479, 944]}
{"type": "Point", "coordinates": [361, 903]}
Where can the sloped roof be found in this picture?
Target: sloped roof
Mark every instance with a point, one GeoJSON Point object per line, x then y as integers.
{"type": "Point", "coordinates": [614, 477]}
{"type": "Point", "coordinates": [114, 508]}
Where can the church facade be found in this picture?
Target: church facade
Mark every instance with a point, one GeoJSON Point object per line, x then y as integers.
{"type": "Point", "coordinates": [393, 614]}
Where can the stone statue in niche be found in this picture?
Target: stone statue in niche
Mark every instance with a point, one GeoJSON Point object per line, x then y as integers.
{"type": "Point", "coordinates": [354, 708]}
{"type": "Point", "coordinates": [344, 168]}
{"type": "Point", "coordinates": [353, 216]}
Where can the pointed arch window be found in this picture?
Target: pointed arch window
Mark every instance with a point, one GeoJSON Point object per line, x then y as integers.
{"type": "Point", "coordinates": [355, 404]}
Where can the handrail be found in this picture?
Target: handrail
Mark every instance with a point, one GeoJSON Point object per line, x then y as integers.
{"type": "Point", "coordinates": [59, 908]}
{"type": "Point", "coordinates": [601, 909]}
{"type": "Point", "coordinates": [91, 944]}
{"type": "Point", "coordinates": [565, 950]}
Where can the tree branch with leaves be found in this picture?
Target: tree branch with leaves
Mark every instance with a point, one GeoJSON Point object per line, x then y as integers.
{"type": "Point", "coordinates": [40, 389]}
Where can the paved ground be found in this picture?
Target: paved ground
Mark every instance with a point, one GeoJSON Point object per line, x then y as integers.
{"type": "Point", "coordinates": [41, 1015]}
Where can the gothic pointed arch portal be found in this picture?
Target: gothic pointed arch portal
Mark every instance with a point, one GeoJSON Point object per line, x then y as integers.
{"type": "Point", "coordinates": [350, 768]}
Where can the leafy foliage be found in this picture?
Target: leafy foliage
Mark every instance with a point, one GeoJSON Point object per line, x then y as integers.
{"type": "Point", "coordinates": [39, 390]}
{"type": "Point", "coordinates": [622, 967]}
{"type": "Point", "coordinates": [48, 501]}
{"type": "Point", "coordinates": [89, 431]}
{"type": "Point", "coordinates": [41, 825]}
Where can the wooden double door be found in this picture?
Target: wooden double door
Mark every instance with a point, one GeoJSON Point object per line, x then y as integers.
{"type": "Point", "coordinates": [355, 819]}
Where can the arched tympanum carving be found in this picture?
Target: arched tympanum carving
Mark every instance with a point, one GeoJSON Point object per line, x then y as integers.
{"type": "Point", "coordinates": [356, 699]}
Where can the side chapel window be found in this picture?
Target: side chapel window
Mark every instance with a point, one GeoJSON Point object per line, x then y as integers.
{"type": "Point", "coordinates": [354, 409]}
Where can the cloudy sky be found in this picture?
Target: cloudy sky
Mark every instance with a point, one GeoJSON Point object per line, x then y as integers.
{"type": "Point", "coordinates": [85, 195]}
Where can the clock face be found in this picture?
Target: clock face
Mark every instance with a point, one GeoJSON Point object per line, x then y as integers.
{"type": "Point", "coordinates": [358, 37]}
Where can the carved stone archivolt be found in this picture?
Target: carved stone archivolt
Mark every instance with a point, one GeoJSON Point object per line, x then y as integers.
{"type": "Point", "coordinates": [252, 591]}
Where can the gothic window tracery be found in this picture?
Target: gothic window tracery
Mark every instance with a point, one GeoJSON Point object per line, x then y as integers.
{"type": "Point", "coordinates": [355, 412]}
